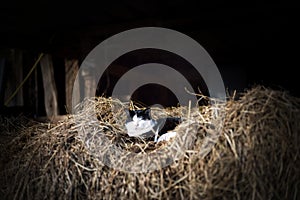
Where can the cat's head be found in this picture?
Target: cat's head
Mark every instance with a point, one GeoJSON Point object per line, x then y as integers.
{"type": "Point", "coordinates": [143, 114]}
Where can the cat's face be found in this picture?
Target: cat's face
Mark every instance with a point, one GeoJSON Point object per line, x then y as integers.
{"type": "Point", "coordinates": [143, 114]}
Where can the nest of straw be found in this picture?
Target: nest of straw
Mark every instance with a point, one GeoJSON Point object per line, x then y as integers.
{"type": "Point", "coordinates": [255, 154]}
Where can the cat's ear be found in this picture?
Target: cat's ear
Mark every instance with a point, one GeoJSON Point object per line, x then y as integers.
{"type": "Point", "coordinates": [147, 113]}
{"type": "Point", "coordinates": [131, 113]}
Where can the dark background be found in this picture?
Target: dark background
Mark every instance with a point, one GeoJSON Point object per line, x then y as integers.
{"type": "Point", "coordinates": [251, 43]}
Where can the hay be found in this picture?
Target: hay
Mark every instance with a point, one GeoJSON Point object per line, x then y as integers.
{"type": "Point", "coordinates": [256, 155]}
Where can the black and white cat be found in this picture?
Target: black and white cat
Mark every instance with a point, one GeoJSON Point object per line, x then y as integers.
{"type": "Point", "coordinates": [141, 124]}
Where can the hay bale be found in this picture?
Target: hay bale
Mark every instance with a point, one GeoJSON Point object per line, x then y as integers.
{"type": "Point", "coordinates": [256, 155]}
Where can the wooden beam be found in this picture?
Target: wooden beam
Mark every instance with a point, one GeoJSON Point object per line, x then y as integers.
{"type": "Point", "coordinates": [50, 91]}
{"type": "Point", "coordinates": [14, 77]}
{"type": "Point", "coordinates": [71, 70]}
{"type": "Point", "coordinates": [2, 65]}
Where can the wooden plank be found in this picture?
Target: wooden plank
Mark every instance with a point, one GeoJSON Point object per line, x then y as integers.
{"type": "Point", "coordinates": [89, 82]}
{"type": "Point", "coordinates": [32, 86]}
{"type": "Point", "coordinates": [2, 65]}
{"type": "Point", "coordinates": [50, 91]}
{"type": "Point", "coordinates": [14, 77]}
{"type": "Point", "coordinates": [71, 70]}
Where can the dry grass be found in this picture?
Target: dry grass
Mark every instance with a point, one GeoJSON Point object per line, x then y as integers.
{"type": "Point", "coordinates": [256, 154]}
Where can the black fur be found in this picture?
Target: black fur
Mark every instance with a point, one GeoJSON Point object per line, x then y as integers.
{"type": "Point", "coordinates": [144, 114]}
{"type": "Point", "coordinates": [166, 124]}
{"type": "Point", "coordinates": [170, 124]}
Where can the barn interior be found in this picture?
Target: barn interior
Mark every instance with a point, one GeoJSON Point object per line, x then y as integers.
{"type": "Point", "coordinates": [244, 148]}
{"type": "Point", "coordinates": [251, 44]}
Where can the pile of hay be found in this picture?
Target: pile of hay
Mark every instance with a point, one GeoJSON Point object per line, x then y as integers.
{"type": "Point", "coordinates": [256, 154]}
